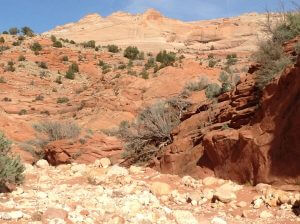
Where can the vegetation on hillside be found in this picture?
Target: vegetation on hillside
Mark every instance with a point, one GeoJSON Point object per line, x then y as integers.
{"type": "Point", "coordinates": [270, 55]}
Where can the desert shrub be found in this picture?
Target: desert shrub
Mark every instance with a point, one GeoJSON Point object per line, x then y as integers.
{"type": "Point", "coordinates": [141, 56]}
{"type": "Point", "coordinates": [101, 63]}
{"type": "Point", "coordinates": [58, 80]}
{"type": "Point", "coordinates": [53, 38]}
{"type": "Point", "coordinates": [145, 137]}
{"type": "Point", "coordinates": [270, 54]}
{"type": "Point", "coordinates": [13, 31]}
{"type": "Point", "coordinates": [113, 48]}
{"type": "Point", "coordinates": [21, 58]}
{"type": "Point", "coordinates": [70, 74]}
{"type": "Point", "coordinates": [72, 42]}
{"type": "Point", "coordinates": [131, 52]}
{"type": "Point", "coordinates": [43, 65]}
{"type": "Point", "coordinates": [57, 44]}
{"type": "Point", "coordinates": [22, 112]}
{"type": "Point", "coordinates": [65, 58]}
{"type": "Point", "coordinates": [21, 38]}
{"type": "Point", "coordinates": [3, 48]}
{"type": "Point", "coordinates": [231, 59]}
{"type": "Point", "coordinates": [16, 43]}
{"type": "Point", "coordinates": [212, 90]}
{"type": "Point", "coordinates": [150, 63]}
{"type": "Point", "coordinates": [39, 97]}
{"type": "Point", "coordinates": [2, 79]}
{"type": "Point", "coordinates": [297, 48]}
{"type": "Point", "coordinates": [10, 67]}
{"type": "Point", "coordinates": [5, 32]}
{"type": "Point", "coordinates": [144, 74]}
{"type": "Point", "coordinates": [122, 66]}
{"type": "Point", "coordinates": [198, 85]}
{"type": "Point", "coordinates": [74, 67]}
{"type": "Point", "coordinates": [27, 31]}
{"type": "Point", "coordinates": [11, 169]}
{"type": "Point", "coordinates": [210, 56]}
{"type": "Point", "coordinates": [228, 80]}
{"type": "Point", "coordinates": [166, 58]}
{"type": "Point", "coordinates": [107, 70]}
{"type": "Point", "coordinates": [89, 44]}
{"type": "Point", "coordinates": [62, 100]}
{"type": "Point", "coordinates": [212, 63]}
{"type": "Point", "coordinates": [2, 40]}
{"type": "Point", "coordinates": [58, 130]}
{"type": "Point", "coordinates": [36, 47]}
{"type": "Point", "coordinates": [212, 47]}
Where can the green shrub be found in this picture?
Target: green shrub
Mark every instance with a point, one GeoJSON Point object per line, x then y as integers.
{"type": "Point", "coordinates": [113, 48]}
{"type": "Point", "coordinates": [27, 31]}
{"type": "Point", "coordinates": [211, 56]}
{"type": "Point", "coordinates": [106, 70]}
{"type": "Point", "coordinates": [10, 67]}
{"type": "Point", "coordinates": [62, 100]}
{"type": "Point", "coordinates": [13, 31]}
{"type": "Point", "coordinates": [72, 42]}
{"type": "Point", "coordinates": [131, 52]}
{"type": "Point", "coordinates": [21, 58]}
{"type": "Point", "coordinates": [36, 47]}
{"type": "Point", "coordinates": [16, 43]}
{"type": "Point", "coordinates": [2, 79]}
{"type": "Point", "coordinates": [212, 90]}
{"type": "Point", "coordinates": [122, 66]}
{"type": "Point", "coordinates": [65, 58]}
{"type": "Point", "coordinates": [74, 67]}
{"type": "Point", "coordinates": [198, 85]}
{"type": "Point", "coordinates": [229, 81]}
{"type": "Point", "coordinates": [212, 63]}
{"type": "Point", "coordinates": [231, 59]}
{"type": "Point", "coordinates": [22, 112]}
{"type": "Point", "coordinates": [43, 65]}
{"type": "Point", "coordinates": [270, 54]}
{"type": "Point", "coordinates": [53, 38]}
{"type": "Point", "coordinates": [89, 44]}
{"type": "Point", "coordinates": [101, 63]}
{"type": "Point", "coordinates": [144, 74]}
{"type": "Point", "coordinates": [58, 130]}
{"type": "Point", "coordinates": [145, 137]}
{"type": "Point", "coordinates": [11, 169]}
{"type": "Point", "coordinates": [21, 38]}
{"type": "Point", "coordinates": [2, 40]}
{"type": "Point", "coordinates": [70, 74]}
{"type": "Point", "coordinates": [57, 44]}
{"type": "Point", "coordinates": [150, 63]}
{"type": "Point", "coordinates": [58, 80]}
{"type": "Point", "coordinates": [166, 58]}
{"type": "Point", "coordinates": [5, 32]}
{"type": "Point", "coordinates": [141, 56]}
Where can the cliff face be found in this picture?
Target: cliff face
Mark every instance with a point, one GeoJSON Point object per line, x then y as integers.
{"type": "Point", "coordinates": [151, 31]}
{"type": "Point", "coordinates": [247, 136]}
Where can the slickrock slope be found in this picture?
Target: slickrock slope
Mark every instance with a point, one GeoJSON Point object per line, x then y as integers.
{"type": "Point", "coordinates": [100, 193]}
{"type": "Point", "coordinates": [245, 136]}
{"type": "Point", "coordinates": [152, 31]}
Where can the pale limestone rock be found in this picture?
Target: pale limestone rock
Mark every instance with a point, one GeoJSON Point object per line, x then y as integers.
{"type": "Point", "coordinates": [160, 188]}
{"type": "Point", "coordinates": [218, 220]}
{"type": "Point", "coordinates": [184, 217]}
{"type": "Point", "coordinates": [265, 215]}
{"type": "Point", "coordinates": [42, 164]}
{"type": "Point", "coordinates": [117, 171]}
{"type": "Point", "coordinates": [224, 195]}
{"type": "Point", "coordinates": [210, 181]}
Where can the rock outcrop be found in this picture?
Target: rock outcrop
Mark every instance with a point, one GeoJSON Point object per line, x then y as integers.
{"type": "Point", "coordinates": [247, 136]}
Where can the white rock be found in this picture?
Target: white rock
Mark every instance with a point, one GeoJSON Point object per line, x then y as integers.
{"type": "Point", "coordinates": [42, 195]}
{"type": "Point", "coordinates": [16, 214]}
{"type": "Point", "coordinates": [135, 170]}
{"type": "Point", "coordinates": [265, 215]}
{"type": "Point", "coordinates": [224, 195]}
{"type": "Point", "coordinates": [104, 162]}
{"type": "Point", "coordinates": [210, 181]}
{"type": "Point", "coordinates": [42, 164]}
{"type": "Point", "coordinates": [118, 171]}
{"type": "Point", "coordinates": [208, 193]}
{"type": "Point", "coordinates": [78, 168]}
{"type": "Point", "coordinates": [184, 217]}
{"type": "Point", "coordinates": [217, 220]}
{"type": "Point", "coordinates": [257, 203]}
{"type": "Point", "coordinates": [242, 204]}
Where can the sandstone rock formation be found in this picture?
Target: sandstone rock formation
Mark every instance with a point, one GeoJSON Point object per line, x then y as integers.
{"type": "Point", "coordinates": [152, 31]}
{"type": "Point", "coordinates": [248, 136]}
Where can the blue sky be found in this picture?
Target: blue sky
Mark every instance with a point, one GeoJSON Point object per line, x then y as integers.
{"type": "Point", "coordinates": [42, 15]}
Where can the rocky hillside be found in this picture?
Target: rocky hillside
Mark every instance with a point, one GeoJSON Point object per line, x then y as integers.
{"type": "Point", "coordinates": [248, 135]}
{"type": "Point", "coordinates": [151, 31]}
